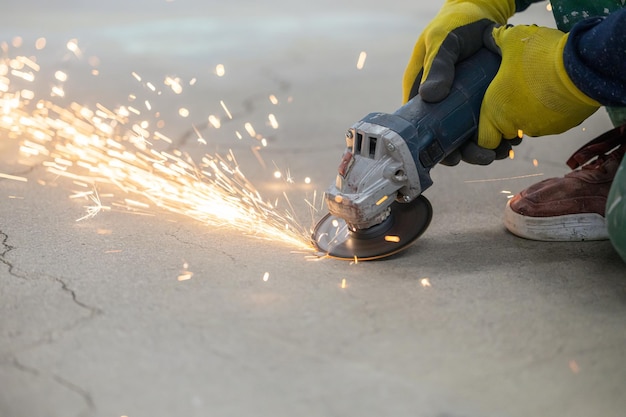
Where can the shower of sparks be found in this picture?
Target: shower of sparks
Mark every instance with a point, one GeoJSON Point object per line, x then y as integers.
{"type": "Point", "coordinates": [361, 61]}
{"type": "Point", "coordinates": [105, 148]}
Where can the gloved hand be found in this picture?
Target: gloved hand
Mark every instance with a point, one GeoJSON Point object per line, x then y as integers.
{"type": "Point", "coordinates": [531, 91]}
{"type": "Point", "coordinates": [454, 34]}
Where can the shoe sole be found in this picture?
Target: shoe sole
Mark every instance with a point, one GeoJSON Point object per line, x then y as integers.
{"type": "Point", "coordinates": [568, 228]}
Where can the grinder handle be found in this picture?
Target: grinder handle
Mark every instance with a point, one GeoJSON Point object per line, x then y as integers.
{"type": "Point", "coordinates": [444, 126]}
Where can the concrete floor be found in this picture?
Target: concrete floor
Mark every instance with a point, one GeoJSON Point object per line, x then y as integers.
{"type": "Point", "coordinates": [97, 324]}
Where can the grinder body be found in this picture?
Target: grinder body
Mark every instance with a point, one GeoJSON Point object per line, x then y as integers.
{"type": "Point", "coordinates": [389, 156]}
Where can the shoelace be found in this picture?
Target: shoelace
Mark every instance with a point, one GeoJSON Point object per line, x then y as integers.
{"type": "Point", "coordinates": [609, 145]}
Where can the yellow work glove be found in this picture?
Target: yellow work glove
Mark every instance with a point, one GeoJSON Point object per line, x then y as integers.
{"type": "Point", "coordinates": [454, 34]}
{"type": "Point", "coordinates": [531, 93]}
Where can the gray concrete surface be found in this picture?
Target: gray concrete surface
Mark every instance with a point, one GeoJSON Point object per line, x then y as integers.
{"type": "Point", "coordinates": [97, 324]}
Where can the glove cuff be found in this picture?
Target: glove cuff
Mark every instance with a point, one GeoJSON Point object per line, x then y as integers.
{"type": "Point", "coordinates": [567, 81]}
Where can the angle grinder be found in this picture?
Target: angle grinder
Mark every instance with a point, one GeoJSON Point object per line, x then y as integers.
{"type": "Point", "coordinates": [376, 204]}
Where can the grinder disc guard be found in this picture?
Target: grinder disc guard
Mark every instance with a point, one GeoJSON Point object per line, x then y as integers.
{"type": "Point", "coordinates": [405, 223]}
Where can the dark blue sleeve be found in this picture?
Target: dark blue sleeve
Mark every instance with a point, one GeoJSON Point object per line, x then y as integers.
{"type": "Point", "coordinates": [595, 58]}
{"type": "Point", "coordinates": [523, 4]}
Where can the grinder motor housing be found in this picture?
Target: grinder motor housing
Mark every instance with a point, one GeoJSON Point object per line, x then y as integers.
{"type": "Point", "coordinates": [389, 156]}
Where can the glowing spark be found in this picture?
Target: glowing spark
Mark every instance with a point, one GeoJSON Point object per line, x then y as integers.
{"type": "Point", "coordinates": [361, 61]}
{"type": "Point", "coordinates": [343, 284]}
{"type": "Point", "coordinates": [273, 121]}
{"type": "Point", "coordinates": [535, 162]}
{"type": "Point", "coordinates": [266, 276]}
{"type": "Point", "coordinates": [273, 99]}
{"type": "Point", "coordinates": [230, 116]}
{"type": "Point", "coordinates": [338, 199]}
{"type": "Point", "coordinates": [17, 41]}
{"type": "Point", "coordinates": [520, 133]}
{"type": "Point", "coordinates": [26, 76]}
{"type": "Point", "coordinates": [504, 179]}
{"type": "Point", "coordinates": [394, 239]}
{"type": "Point", "coordinates": [28, 94]}
{"type": "Point", "coordinates": [57, 91]}
{"type": "Point", "coordinates": [72, 46]}
{"type": "Point", "coordinates": [250, 129]}
{"type": "Point", "coordinates": [183, 112]}
{"type": "Point", "coordinates": [137, 77]}
{"type": "Point", "coordinates": [277, 174]}
{"type": "Point", "coordinates": [13, 177]}
{"type": "Point", "coordinates": [335, 223]}
{"type": "Point", "coordinates": [307, 180]}
{"type": "Point", "coordinates": [382, 200]}
{"type": "Point", "coordinates": [40, 43]}
{"type": "Point", "coordinates": [220, 70]}
{"type": "Point", "coordinates": [214, 121]}
{"type": "Point", "coordinates": [174, 84]}
{"type": "Point", "coordinates": [238, 135]}
{"type": "Point", "coordinates": [425, 282]}
{"type": "Point", "coordinates": [159, 135]}
{"type": "Point", "coordinates": [61, 76]}
{"type": "Point", "coordinates": [512, 154]}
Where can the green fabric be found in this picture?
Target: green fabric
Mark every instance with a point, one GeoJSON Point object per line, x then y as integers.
{"type": "Point", "coordinates": [616, 211]}
{"type": "Point", "coordinates": [617, 115]}
{"type": "Point", "coordinates": [569, 12]}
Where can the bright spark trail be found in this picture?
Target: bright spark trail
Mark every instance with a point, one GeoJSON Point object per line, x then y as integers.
{"type": "Point", "coordinates": [100, 148]}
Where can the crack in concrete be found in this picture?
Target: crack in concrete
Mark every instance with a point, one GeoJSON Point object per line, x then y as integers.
{"type": "Point", "coordinates": [93, 311]}
{"type": "Point", "coordinates": [198, 245]}
{"type": "Point", "coordinates": [83, 394]}
{"type": "Point", "coordinates": [4, 251]}
{"type": "Point", "coordinates": [52, 335]}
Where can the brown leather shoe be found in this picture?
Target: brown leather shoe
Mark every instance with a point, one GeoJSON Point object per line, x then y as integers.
{"type": "Point", "coordinates": [570, 208]}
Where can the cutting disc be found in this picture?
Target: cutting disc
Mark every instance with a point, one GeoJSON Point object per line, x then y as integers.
{"type": "Point", "coordinates": [405, 223]}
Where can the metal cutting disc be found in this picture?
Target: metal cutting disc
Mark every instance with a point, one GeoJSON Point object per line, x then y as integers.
{"type": "Point", "coordinates": [405, 223]}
